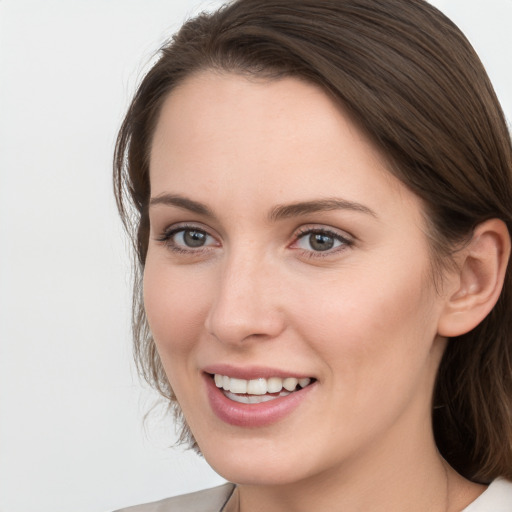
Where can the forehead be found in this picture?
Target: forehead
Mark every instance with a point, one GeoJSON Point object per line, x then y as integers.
{"type": "Point", "coordinates": [229, 135]}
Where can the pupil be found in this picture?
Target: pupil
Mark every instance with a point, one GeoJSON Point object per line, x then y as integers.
{"type": "Point", "coordinates": [321, 242]}
{"type": "Point", "coordinates": [194, 238]}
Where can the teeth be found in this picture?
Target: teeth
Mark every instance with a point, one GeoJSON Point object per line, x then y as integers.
{"type": "Point", "coordinates": [254, 399]}
{"type": "Point", "coordinates": [274, 385]}
{"type": "Point", "coordinates": [258, 387]}
{"type": "Point", "coordinates": [238, 386]}
{"type": "Point", "coordinates": [304, 382]}
{"type": "Point", "coordinates": [290, 383]}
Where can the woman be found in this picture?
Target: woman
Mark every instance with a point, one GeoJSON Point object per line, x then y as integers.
{"type": "Point", "coordinates": [322, 202]}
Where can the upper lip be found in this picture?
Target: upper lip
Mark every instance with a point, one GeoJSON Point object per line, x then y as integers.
{"type": "Point", "coordinates": [252, 372]}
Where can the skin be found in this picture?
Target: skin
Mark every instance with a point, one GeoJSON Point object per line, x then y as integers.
{"type": "Point", "coordinates": [361, 318]}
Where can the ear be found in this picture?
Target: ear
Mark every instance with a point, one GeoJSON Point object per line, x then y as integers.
{"type": "Point", "coordinates": [476, 286]}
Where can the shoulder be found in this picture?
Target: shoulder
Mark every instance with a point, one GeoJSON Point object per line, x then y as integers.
{"type": "Point", "coordinates": [497, 498]}
{"type": "Point", "coordinates": [208, 500]}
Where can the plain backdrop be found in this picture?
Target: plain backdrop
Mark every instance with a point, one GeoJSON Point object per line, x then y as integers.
{"type": "Point", "coordinates": [72, 437]}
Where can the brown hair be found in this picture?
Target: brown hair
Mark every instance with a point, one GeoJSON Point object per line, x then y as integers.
{"type": "Point", "coordinates": [413, 82]}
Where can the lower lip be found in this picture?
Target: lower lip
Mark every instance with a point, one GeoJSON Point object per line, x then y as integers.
{"type": "Point", "coordinates": [253, 415]}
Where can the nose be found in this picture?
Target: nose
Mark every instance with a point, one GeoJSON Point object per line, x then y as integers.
{"type": "Point", "coordinates": [246, 304]}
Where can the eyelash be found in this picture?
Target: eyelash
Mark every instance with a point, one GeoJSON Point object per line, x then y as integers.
{"type": "Point", "coordinates": [167, 239]}
{"type": "Point", "coordinates": [302, 233]}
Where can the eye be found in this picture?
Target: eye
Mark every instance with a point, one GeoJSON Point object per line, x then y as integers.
{"type": "Point", "coordinates": [321, 240]}
{"type": "Point", "coordinates": [191, 238]}
{"type": "Point", "coordinates": [187, 239]}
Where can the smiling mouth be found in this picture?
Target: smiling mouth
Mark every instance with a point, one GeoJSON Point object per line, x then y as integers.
{"type": "Point", "coordinates": [257, 391]}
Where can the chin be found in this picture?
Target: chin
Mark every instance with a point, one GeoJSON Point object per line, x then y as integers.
{"type": "Point", "coordinates": [258, 473]}
{"type": "Point", "coordinates": [259, 461]}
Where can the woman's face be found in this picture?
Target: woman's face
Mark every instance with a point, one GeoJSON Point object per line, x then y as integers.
{"type": "Point", "coordinates": [282, 252]}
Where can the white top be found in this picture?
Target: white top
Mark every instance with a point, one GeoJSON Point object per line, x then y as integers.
{"type": "Point", "coordinates": [496, 498]}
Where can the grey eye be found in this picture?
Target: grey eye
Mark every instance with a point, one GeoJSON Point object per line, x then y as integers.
{"type": "Point", "coordinates": [193, 238]}
{"type": "Point", "coordinates": [320, 241]}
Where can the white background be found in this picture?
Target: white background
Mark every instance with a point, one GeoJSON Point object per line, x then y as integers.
{"type": "Point", "coordinates": [72, 436]}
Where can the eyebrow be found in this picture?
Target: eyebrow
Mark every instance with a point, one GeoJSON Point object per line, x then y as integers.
{"type": "Point", "coordinates": [321, 205]}
{"type": "Point", "coordinates": [279, 212]}
{"type": "Point", "coordinates": [181, 202]}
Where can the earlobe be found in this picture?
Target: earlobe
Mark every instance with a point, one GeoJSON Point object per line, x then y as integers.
{"type": "Point", "coordinates": [479, 280]}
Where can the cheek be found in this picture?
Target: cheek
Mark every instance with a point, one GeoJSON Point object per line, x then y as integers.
{"type": "Point", "coordinates": [174, 308]}
{"type": "Point", "coordinates": [377, 346]}
{"type": "Point", "coordinates": [372, 326]}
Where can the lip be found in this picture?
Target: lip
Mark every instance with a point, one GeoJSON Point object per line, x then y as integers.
{"type": "Point", "coordinates": [252, 415]}
{"type": "Point", "coordinates": [252, 372]}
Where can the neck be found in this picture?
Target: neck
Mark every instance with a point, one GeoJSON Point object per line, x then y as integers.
{"type": "Point", "coordinates": [413, 476]}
